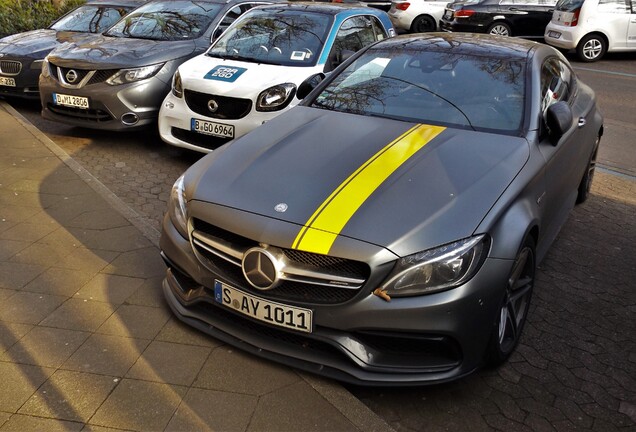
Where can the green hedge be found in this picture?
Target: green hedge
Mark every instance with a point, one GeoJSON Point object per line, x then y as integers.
{"type": "Point", "coordinates": [17, 16]}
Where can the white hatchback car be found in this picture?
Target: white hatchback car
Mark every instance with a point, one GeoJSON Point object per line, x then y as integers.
{"type": "Point", "coordinates": [417, 16]}
{"type": "Point", "coordinates": [593, 27]}
{"type": "Point", "coordinates": [252, 72]}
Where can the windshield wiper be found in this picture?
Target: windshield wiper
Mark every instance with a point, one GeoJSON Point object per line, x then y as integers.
{"type": "Point", "coordinates": [241, 58]}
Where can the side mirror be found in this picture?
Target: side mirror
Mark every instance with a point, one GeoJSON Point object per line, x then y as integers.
{"type": "Point", "coordinates": [308, 85]}
{"type": "Point", "coordinates": [558, 119]}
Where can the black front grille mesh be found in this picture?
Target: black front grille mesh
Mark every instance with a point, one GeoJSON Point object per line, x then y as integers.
{"type": "Point", "coordinates": [288, 290]}
{"type": "Point", "coordinates": [228, 108]}
{"type": "Point", "coordinates": [10, 67]}
{"type": "Point", "coordinates": [198, 139]}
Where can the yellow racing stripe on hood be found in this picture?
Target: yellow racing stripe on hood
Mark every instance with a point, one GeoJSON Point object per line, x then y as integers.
{"type": "Point", "coordinates": [320, 231]}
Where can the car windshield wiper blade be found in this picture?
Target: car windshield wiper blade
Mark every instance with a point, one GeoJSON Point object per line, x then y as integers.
{"type": "Point", "coordinates": [436, 95]}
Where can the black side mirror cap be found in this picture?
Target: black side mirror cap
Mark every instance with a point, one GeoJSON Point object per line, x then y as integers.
{"type": "Point", "coordinates": [558, 119]}
{"type": "Point", "coordinates": [308, 85]}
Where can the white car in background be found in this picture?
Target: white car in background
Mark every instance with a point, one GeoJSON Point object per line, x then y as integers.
{"type": "Point", "coordinates": [593, 27]}
{"type": "Point", "coordinates": [253, 72]}
{"type": "Point", "coordinates": [417, 16]}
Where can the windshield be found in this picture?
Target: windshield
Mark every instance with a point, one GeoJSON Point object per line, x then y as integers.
{"type": "Point", "coordinates": [167, 20]}
{"type": "Point", "coordinates": [431, 87]}
{"type": "Point", "coordinates": [290, 38]}
{"type": "Point", "coordinates": [93, 19]}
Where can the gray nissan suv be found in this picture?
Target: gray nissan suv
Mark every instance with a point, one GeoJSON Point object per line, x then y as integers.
{"type": "Point", "coordinates": [117, 80]}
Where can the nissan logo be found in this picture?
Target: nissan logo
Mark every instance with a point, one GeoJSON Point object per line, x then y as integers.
{"type": "Point", "coordinates": [213, 105]}
{"type": "Point", "coordinates": [71, 76]}
{"type": "Point", "coordinates": [261, 268]}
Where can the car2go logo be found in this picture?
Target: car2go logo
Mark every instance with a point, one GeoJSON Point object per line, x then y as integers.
{"type": "Point", "coordinates": [224, 73]}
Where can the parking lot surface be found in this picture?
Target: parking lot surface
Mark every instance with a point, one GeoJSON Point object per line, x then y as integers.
{"type": "Point", "coordinates": [575, 368]}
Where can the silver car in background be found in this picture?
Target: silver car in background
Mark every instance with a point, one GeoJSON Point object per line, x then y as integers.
{"type": "Point", "coordinates": [118, 80]}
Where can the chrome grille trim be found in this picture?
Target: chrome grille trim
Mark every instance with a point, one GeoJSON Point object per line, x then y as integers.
{"type": "Point", "coordinates": [291, 271]}
{"type": "Point", "coordinates": [10, 67]}
{"type": "Point", "coordinates": [62, 78]}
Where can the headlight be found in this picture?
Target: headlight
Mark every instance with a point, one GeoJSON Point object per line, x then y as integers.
{"type": "Point", "coordinates": [37, 64]}
{"type": "Point", "coordinates": [125, 76]}
{"type": "Point", "coordinates": [437, 269]}
{"type": "Point", "coordinates": [276, 98]}
{"type": "Point", "coordinates": [177, 85]}
{"type": "Point", "coordinates": [177, 207]}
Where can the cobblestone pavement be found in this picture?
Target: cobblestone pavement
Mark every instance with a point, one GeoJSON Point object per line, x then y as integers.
{"type": "Point", "coordinates": [575, 368]}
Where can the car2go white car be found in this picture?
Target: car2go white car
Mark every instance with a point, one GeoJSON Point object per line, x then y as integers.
{"type": "Point", "coordinates": [252, 72]}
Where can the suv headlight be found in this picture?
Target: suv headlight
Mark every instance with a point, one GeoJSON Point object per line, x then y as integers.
{"type": "Point", "coordinates": [276, 98]}
{"type": "Point", "coordinates": [437, 269]}
{"type": "Point", "coordinates": [177, 207]}
{"type": "Point", "coordinates": [125, 76]}
{"type": "Point", "coordinates": [177, 85]}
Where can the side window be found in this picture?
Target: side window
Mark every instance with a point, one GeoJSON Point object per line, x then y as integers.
{"type": "Point", "coordinates": [354, 34]}
{"type": "Point", "coordinates": [378, 29]}
{"type": "Point", "coordinates": [613, 6]}
{"type": "Point", "coordinates": [557, 83]}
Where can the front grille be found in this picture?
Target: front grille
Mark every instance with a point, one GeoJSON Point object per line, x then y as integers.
{"type": "Point", "coordinates": [81, 74]}
{"type": "Point", "coordinates": [229, 108]}
{"type": "Point", "coordinates": [10, 67]}
{"type": "Point", "coordinates": [200, 140]}
{"type": "Point", "coordinates": [89, 115]}
{"type": "Point", "coordinates": [101, 76]}
{"type": "Point", "coordinates": [321, 287]}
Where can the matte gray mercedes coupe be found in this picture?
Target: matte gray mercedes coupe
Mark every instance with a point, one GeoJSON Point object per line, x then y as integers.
{"type": "Point", "coordinates": [387, 230]}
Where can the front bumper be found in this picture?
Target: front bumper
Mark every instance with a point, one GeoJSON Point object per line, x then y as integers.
{"type": "Point", "coordinates": [362, 340]}
{"type": "Point", "coordinates": [26, 80]}
{"type": "Point", "coordinates": [122, 107]}
{"type": "Point", "coordinates": [175, 119]}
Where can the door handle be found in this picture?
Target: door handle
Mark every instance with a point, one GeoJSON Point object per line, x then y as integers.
{"type": "Point", "coordinates": [582, 122]}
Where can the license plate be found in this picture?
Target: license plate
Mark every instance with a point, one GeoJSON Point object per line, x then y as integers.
{"type": "Point", "coordinates": [70, 101]}
{"type": "Point", "coordinates": [448, 15]}
{"type": "Point", "coordinates": [263, 310]}
{"type": "Point", "coordinates": [554, 34]}
{"type": "Point", "coordinates": [212, 128]}
{"type": "Point", "coordinates": [9, 82]}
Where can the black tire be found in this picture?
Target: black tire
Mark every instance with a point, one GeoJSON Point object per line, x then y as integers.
{"type": "Point", "coordinates": [499, 28]}
{"type": "Point", "coordinates": [591, 48]}
{"type": "Point", "coordinates": [513, 310]}
{"type": "Point", "coordinates": [423, 24]}
{"type": "Point", "coordinates": [588, 176]}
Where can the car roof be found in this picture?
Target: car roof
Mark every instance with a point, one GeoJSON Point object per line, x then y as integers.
{"type": "Point", "coordinates": [133, 3]}
{"type": "Point", "coordinates": [463, 43]}
{"type": "Point", "coordinates": [325, 8]}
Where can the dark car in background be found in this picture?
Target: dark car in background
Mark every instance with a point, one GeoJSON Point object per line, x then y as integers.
{"type": "Point", "coordinates": [118, 79]}
{"type": "Point", "coordinates": [21, 54]}
{"type": "Point", "coordinates": [387, 229]}
{"type": "Point", "coordinates": [522, 18]}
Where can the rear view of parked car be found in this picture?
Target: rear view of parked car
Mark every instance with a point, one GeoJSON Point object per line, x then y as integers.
{"type": "Point", "coordinates": [593, 27]}
{"type": "Point", "coordinates": [117, 80]}
{"type": "Point", "coordinates": [417, 16]}
{"type": "Point", "coordinates": [21, 55]}
{"type": "Point", "coordinates": [522, 18]}
{"type": "Point", "coordinates": [253, 72]}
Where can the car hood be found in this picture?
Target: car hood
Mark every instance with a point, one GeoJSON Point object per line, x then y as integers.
{"type": "Point", "coordinates": [35, 43]}
{"type": "Point", "coordinates": [116, 53]}
{"type": "Point", "coordinates": [305, 156]}
{"type": "Point", "coordinates": [197, 74]}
